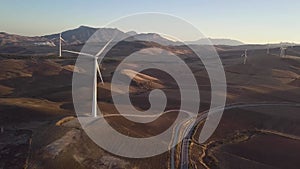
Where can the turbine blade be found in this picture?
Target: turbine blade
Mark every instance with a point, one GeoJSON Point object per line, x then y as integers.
{"type": "Point", "coordinates": [79, 53]}
{"type": "Point", "coordinates": [98, 69]}
{"type": "Point", "coordinates": [52, 43]}
{"type": "Point", "coordinates": [62, 39]}
{"type": "Point", "coordinates": [99, 53]}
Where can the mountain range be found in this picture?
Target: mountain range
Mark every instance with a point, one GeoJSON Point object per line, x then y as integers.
{"type": "Point", "coordinates": [81, 34]}
{"type": "Point", "coordinates": [227, 42]}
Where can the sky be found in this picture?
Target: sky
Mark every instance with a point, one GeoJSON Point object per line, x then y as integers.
{"type": "Point", "coordinates": [255, 21]}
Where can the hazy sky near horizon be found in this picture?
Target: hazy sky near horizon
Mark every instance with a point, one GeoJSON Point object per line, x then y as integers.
{"type": "Point", "coordinates": [254, 21]}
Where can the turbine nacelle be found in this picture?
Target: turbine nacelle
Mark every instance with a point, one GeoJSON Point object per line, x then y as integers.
{"type": "Point", "coordinates": [90, 56]}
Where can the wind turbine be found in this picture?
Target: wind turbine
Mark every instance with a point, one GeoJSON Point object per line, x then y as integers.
{"type": "Point", "coordinates": [245, 55]}
{"type": "Point", "coordinates": [96, 71]}
{"type": "Point", "coordinates": [268, 49]}
{"type": "Point", "coordinates": [282, 51]}
{"type": "Point", "coordinates": [59, 39]}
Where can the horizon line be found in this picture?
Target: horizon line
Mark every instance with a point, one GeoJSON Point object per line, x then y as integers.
{"type": "Point", "coordinates": [96, 27]}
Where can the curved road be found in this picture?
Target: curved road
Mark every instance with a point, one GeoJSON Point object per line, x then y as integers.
{"type": "Point", "coordinates": [184, 155]}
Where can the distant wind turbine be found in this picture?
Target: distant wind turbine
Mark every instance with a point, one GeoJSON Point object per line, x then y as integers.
{"type": "Point", "coordinates": [60, 39]}
{"type": "Point", "coordinates": [96, 69]}
{"type": "Point", "coordinates": [245, 55]}
{"type": "Point", "coordinates": [282, 51]}
{"type": "Point", "coordinates": [268, 49]}
{"type": "Point", "coordinates": [60, 46]}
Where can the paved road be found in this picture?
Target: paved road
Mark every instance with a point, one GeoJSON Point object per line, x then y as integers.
{"type": "Point", "coordinates": [184, 157]}
{"type": "Point", "coordinates": [171, 146]}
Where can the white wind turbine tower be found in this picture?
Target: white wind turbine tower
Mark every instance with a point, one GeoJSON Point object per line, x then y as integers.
{"type": "Point", "coordinates": [268, 49]}
{"type": "Point", "coordinates": [96, 72]}
{"type": "Point", "coordinates": [245, 55]}
{"type": "Point", "coordinates": [60, 39]}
